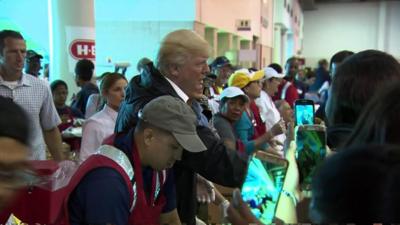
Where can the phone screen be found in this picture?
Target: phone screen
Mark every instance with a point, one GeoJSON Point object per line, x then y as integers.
{"type": "Point", "coordinates": [311, 151]}
{"type": "Point", "coordinates": [263, 185]}
{"type": "Point", "coordinates": [304, 114]}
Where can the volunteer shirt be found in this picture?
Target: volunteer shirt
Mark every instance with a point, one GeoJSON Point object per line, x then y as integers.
{"type": "Point", "coordinates": [102, 196]}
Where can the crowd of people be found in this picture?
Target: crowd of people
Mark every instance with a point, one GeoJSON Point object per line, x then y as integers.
{"type": "Point", "coordinates": [152, 147]}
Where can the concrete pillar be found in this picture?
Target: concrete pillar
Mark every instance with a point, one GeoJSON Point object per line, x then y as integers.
{"type": "Point", "coordinates": [277, 58]}
{"type": "Point", "coordinates": [290, 49]}
{"type": "Point", "coordinates": [283, 47]}
{"type": "Point", "coordinates": [212, 38]}
{"type": "Point", "coordinates": [235, 42]}
{"type": "Point", "coordinates": [199, 28]}
{"type": "Point", "coordinates": [224, 43]}
{"type": "Point", "coordinates": [246, 45]}
{"type": "Point", "coordinates": [70, 20]}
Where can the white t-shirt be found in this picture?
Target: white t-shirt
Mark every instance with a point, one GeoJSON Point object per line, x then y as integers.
{"type": "Point", "coordinates": [269, 114]}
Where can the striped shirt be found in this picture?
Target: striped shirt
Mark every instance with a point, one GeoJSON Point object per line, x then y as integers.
{"type": "Point", "coordinates": [34, 95]}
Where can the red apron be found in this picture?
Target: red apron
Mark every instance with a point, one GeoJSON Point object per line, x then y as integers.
{"type": "Point", "coordinates": [37, 205]}
{"type": "Point", "coordinates": [147, 211]}
{"type": "Point", "coordinates": [55, 208]}
{"type": "Point", "coordinates": [259, 124]}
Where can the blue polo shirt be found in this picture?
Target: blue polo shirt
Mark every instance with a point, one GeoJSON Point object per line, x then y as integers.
{"type": "Point", "coordinates": [102, 196]}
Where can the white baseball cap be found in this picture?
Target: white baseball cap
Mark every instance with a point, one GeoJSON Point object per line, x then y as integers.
{"type": "Point", "coordinates": [270, 72]}
{"type": "Point", "coordinates": [232, 92]}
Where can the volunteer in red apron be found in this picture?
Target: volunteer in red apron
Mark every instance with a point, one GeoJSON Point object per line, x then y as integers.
{"type": "Point", "coordinates": [167, 125]}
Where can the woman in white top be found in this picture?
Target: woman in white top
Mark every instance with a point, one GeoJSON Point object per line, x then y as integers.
{"type": "Point", "coordinates": [93, 105]}
{"type": "Point", "coordinates": [268, 112]}
{"type": "Point", "coordinates": [101, 125]}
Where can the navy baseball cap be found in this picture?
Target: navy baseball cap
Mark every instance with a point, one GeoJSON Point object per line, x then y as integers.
{"type": "Point", "coordinates": [30, 54]}
{"type": "Point", "coordinates": [220, 61]}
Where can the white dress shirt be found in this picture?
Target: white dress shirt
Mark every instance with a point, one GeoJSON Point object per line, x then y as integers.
{"type": "Point", "coordinates": [95, 129]}
{"type": "Point", "coordinates": [178, 90]}
{"type": "Point", "coordinates": [92, 105]}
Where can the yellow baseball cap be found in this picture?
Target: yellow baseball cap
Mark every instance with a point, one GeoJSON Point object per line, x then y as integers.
{"type": "Point", "coordinates": [241, 78]}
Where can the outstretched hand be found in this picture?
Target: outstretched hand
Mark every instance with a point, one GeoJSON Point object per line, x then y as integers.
{"type": "Point", "coordinates": [205, 190]}
{"type": "Point", "coordinates": [278, 128]}
{"type": "Point", "coordinates": [238, 211]}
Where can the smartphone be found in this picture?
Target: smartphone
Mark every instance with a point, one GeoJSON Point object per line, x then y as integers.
{"type": "Point", "coordinates": [304, 112]}
{"type": "Point", "coordinates": [263, 184]}
{"type": "Point", "coordinates": [310, 152]}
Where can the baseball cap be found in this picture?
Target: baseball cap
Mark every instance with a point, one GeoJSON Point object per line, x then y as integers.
{"type": "Point", "coordinates": [30, 54]}
{"type": "Point", "coordinates": [231, 92]}
{"type": "Point", "coordinates": [270, 72]}
{"type": "Point", "coordinates": [211, 75]}
{"type": "Point", "coordinates": [175, 116]}
{"type": "Point", "coordinates": [241, 78]}
{"type": "Point", "coordinates": [220, 61]}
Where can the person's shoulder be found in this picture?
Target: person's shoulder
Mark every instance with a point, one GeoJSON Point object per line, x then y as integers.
{"type": "Point", "coordinates": [96, 118]}
{"type": "Point", "coordinates": [263, 99]}
{"type": "Point", "coordinates": [36, 81]}
{"type": "Point", "coordinates": [263, 94]}
{"type": "Point", "coordinates": [103, 172]}
{"type": "Point", "coordinates": [94, 97]}
{"type": "Point", "coordinates": [102, 180]}
{"type": "Point", "coordinates": [90, 87]}
{"type": "Point", "coordinates": [219, 119]}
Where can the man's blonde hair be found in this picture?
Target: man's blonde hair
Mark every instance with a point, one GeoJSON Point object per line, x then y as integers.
{"type": "Point", "coordinates": [178, 46]}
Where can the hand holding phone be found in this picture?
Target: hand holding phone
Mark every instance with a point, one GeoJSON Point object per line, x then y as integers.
{"type": "Point", "coordinates": [238, 211]}
{"type": "Point", "coordinates": [304, 112]}
{"type": "Point", "coordinates": [310, 152]}
{"type": "Point", "coordinates": [263, 184]}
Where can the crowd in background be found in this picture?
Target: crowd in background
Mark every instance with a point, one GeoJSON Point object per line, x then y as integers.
{"type": "Point", "coordinates": [192, 122]}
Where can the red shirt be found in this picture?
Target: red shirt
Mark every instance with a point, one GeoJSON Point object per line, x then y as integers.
{"type": "Point", "coordinates": [260, 125]}
{"type": "Point", "coordinates": [291, 94]}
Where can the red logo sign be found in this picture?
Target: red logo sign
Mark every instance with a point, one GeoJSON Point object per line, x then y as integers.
{"type": "Point", "coordinates": [82, 49]}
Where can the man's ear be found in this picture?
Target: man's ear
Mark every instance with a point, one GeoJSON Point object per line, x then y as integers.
{"type": "Point", "coordinates": [148, 135]}
{"type": "Point", "coordinates": [174, 70]}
